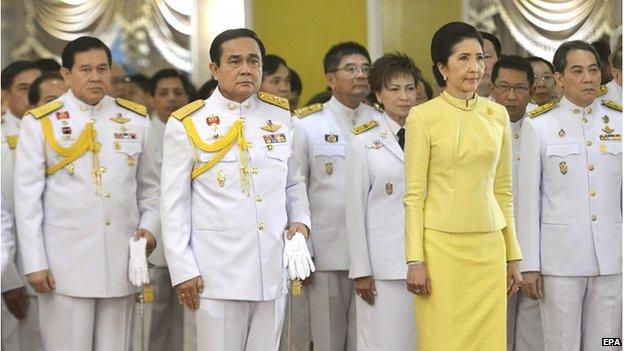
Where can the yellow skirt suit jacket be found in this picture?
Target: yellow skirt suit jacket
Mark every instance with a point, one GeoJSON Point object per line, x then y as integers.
{"type": "Point", "coordinates": [459, 220]}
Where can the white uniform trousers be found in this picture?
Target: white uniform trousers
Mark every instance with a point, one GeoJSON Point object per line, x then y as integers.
{"type": "Point", "coordinates": [79, 324]}
{"type": "Point", "coordinates": [163, 318]}
{"type": "Point", "coordinates": [21, 334]}
{"type": "Point", "coordinates": [389, 324]}
{"type": "Point", "coordinates": [228, 325]}
{"type": "Point", "coordinates": [332, 311]}
{"type": "Point", "coordinates": [190, 331]}
{"type": "Point", "coordinates": [577, 312]}
{"type": "Point", "coordinates": [528, 332]}
{"type": "Point", "coordinates": [296, 333]}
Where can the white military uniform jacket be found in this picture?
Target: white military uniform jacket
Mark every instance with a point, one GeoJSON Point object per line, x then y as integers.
{"type": "Point", "coordinates": [11, 279]}
{"type": "Point", "coordinates": [375, 212]}
{"type": "Point", "coordinates": [614, 92]}
{"type": "Point", "coordinates": [516, 128]}
{"type": "Point", "coordinates": [217, 225]}
{"type": "Point", "coordinates": [157, 132]}
{"type": "Point", "coordinates": [62, 224]}
{"type": "Point", "coordinates": [321, 141]}
{"type": "Point", "coordinates": [569, 206]}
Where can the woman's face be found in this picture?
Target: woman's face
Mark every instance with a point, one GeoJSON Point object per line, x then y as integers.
{"type": "Point", "coordinates": [398, 96]}
{"type": "Point", "coordinates": [464, 68]}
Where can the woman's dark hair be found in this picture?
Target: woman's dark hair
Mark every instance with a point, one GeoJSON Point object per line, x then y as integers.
{"type": "Point", "coordinates": [270, 64]}
{"type": "Point", "coordinates": [206, 89]}
{"type": "Point", "coordinates": [445, 39]}
{"type": "Point", "coordinates": [388, 67]}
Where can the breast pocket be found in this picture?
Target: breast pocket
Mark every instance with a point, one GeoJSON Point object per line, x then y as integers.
{"type": "Point", "coordinates": [611, 156]}
{"type": "Point", "coordinates": [129, 151]}
{"type": "Point", "coordinates": [562, 150]}
{"type": "Point", "coordinates": [278, 152]}
{"type": "Point", "coordinates": [329, 158]}
{"type": "Point", "coordinates": [225, 172]}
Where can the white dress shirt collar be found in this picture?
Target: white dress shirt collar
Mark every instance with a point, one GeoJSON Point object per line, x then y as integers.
{"type": "Point", "coordinates": [577, 110]}
{"type": "Point", "coordinates": [240, 108]}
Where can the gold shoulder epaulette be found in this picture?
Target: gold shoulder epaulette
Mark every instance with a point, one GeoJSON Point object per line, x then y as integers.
{"type": "Point", "coordinates": [308, 110]}
{"type": "Point", "coordinates": [187, 110]}
{"type": "Point", "coordinates": [132, 106]}
{"type": "Point", "coordinates": [46, 109]}
{"type": "Point", "coordinates": [545, 107]}
{"type": "Point", "coordinates": [364, 127]}
{"type": "Point", "coordinates": [602, 90]}
{"type": "Point", "coordinates": [612, 105]}
{"type": "Point", "coordinates": [274, 100]}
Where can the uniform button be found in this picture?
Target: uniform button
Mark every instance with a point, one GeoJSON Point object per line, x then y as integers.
{"type": "Point", "coordinates": [270, 147]}
{"type": "Point", "coordinates": [261, 225]}
{"type": "Point", "coordinates": [594, 218]}
{"type": "Point", "coordinates": [590, 167]}
{"type": "Point", "coordinates": [250, 144]}
{"type": "Point", "coordinates": [258, 198]}
{"type": "Point", "coordinates": [108, 221]}
{"type": "Point", "coordinates": [254, 170]}
{"type": "Point", "coordinates": [516, 136]}
{"type": "Point", "coordinates": [103, 169]}
{"type": "Point", "coordinates": [588, 143]}
{"type": "Point", "coordinates": [576, 110]}
{"type": "Point", "coordinates": [584, 120]}
{"type": "Point", "coordinates": [592, 193]}
{"type": "Point", "coordinates": [107, 196]}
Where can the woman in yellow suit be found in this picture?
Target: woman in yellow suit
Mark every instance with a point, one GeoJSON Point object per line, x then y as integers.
{"type": "Point", "coordinates": [461, 245]}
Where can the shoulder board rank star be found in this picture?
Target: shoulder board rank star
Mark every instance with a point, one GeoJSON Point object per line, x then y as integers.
{"type": "Point", "coordinates": [271, 127]}
{"type": "Point", "coordinates": [602, 90]}
{"type": "Point", "coordinates": [612, 105]}
{"type": "Point", "coordinates": [308, 110]}
{"type": "Point", "coordinates": [188, 109]}
{"type": "Point", "coordinates": [274, 100]}
{"type": "Point", "coordinates": [364, 127]}
{"type": "Point", "coordinates": [46, 109]}
{"type": "Point", "coordinates": [132, 106]}
{"type": "Point", "coordinates": [120, 119]}
{"type": "Point", "coordinates": [541, 109]}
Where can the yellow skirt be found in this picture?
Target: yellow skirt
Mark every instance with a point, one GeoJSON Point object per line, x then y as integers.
{"type": "Point", "coordinates": [467, 307]}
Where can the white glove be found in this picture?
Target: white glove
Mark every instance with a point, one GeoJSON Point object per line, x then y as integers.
{"type": "Point", "coordinates": [297, 257]}
{"type": "Point", "coordinates": [137, 266]}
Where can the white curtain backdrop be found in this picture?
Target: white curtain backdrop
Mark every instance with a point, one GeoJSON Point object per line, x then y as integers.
{"type": "Point", "coordinates": [540, 26]}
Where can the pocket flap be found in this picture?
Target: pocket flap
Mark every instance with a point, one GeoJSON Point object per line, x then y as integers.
{"type": "Point", "coordinates": [278, 151]}
{"type": "Point", "coordinates": [614, 148]}
{"type": "Point", "coordinates": [562, 150]}
{"type": "Point", "coordinates": [228, 157]}
{"type": "Point", "coordinates": [329, 150]}
{"type": "Point", "coordinates": [129, 148]}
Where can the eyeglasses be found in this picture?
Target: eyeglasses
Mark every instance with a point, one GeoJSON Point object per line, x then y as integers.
{"type": "Point", "coordinates": [520, 88]}
{"type": "Point", "coordinates": [352, 69]}
{"type": "Point", "coordinates": [546, 78]}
